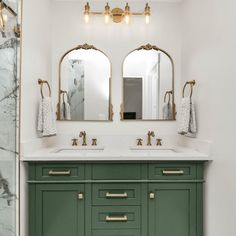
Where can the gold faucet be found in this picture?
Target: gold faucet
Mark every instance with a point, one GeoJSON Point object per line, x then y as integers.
{"type": "Point", "coordinates": [82, 134]}
{"type": "Point", "coordinates": [150, 134]}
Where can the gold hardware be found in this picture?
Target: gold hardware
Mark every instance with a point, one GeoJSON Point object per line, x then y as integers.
{"type": "Point", "coordinates": [94, 142]}
{"type": "Point", "coordinates": [117, 14]}
{"type": "Point", "coordinates": [116, 218]}
{"type": "Point", "coordinates": [159, 142]}
{"type": "Point", "coordinates": [152, 195]}
{"type": "Point", "coordinates": [74, 142]}
{"type": "Point", "coordinates": [191, 83]}
{"type": "Point", "coordinates": [172, 172]}
{"type": "Point", "coordinates": [82, 135]}
{"type": "Point", "coordinates": [151, 47]}
{"type": "Point", "coordinates": [52, 172]}
{"type": "Point", "coordinates": [140, 142]}
{"type": "Point", "coordinates": [116, 195]}
{"type": "Point", "coordinates": [80, 196]}
{"type": "Point", "coordinates": [41, 83]}
{"type": "Point", "coordinates": [150, 134]}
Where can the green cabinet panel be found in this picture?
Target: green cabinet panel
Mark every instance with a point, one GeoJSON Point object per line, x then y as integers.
{"type": "Point", "coordinates": [59, 171]}
{"type": "Point", "coordinates": [116, 171]}
{"type": "Point", "coordinates": [172, 171]}
{"type": "Point", "coordinates": [173, 211]}
{"type": "Point", "coordinates": [116, 194]}
{"type": "Point", "coordinates": [129, 232]}
{"type": "Point", "coordinates": [58, 210]}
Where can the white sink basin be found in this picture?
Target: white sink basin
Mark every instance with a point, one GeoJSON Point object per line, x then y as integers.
{"type": "Point", "coordinates": [81, 150]}
{"type": "Point", "coordinates": [153, 150]}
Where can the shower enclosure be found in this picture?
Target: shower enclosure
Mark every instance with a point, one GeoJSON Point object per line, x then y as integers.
{"type": "Point", "coordinates": [9, 64]}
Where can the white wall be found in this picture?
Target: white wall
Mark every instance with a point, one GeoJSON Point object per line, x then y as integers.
{"type": "Point", "coordinates": [209, 46]}
{"type": "Point", "coordinates": [116, 40]}
{"type": "Point", "coordinates": [36, 61]}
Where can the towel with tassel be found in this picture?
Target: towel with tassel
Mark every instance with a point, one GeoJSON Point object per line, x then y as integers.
{"type": "Point", "coordinates": [187, 119]}
{"type": "Point", "coordinates": [46, 117]}
{"type": "Point", "coordinates": [167, 111]}
{"type": "Point", "coordinates": [65, 113]}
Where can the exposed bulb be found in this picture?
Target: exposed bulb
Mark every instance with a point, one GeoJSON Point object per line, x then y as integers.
{"type": "Point", "coordinates": [127, 19]}
{"type": "Point", "coordinates": [147, 19]}
{"type": "Point", "coordinates": [107, 18]}
{"type": "Point", "coordinates": [86, 18]}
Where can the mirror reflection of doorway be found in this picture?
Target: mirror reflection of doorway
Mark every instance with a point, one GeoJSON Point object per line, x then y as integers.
{"type": "Point", "coordinates": [133, 90]}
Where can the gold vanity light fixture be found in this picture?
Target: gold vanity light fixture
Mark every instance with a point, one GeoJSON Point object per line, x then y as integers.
{"type": "Point", "coordinates": [4, 8]}
{"type": "Point", "coordinates": [117, 15]}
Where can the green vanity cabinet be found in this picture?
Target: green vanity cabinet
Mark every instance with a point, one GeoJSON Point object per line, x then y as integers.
{"type": "Point", "coordinates": [58, 210]}
{"type": "Point", "coordinates": [172, 211]}
{"type": "Point", "coordinates": [116, 199]}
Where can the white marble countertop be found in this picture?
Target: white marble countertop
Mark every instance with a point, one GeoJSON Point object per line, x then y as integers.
{"type": "Point", "coordinates": [115, 154]}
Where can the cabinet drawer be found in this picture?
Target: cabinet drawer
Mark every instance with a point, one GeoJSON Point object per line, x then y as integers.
{"type": "Point", "coordinates": [172, 171]}
{"type": "Point", "coordinates": [59, 171]}
{"type": "Point", "coordinates": [129, 232]}
{"type": "Point", "coordinates": [116, 171]}
{"type": "Point", "coordinates": [116, 194]}
{"type": "Point", "coordinates": [116, 217]}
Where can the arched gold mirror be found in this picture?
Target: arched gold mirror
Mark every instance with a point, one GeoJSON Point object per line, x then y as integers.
{"type": "Point", "coordinates": [84, 85]}
{"type": "Point", "coordinates": [148, 85]}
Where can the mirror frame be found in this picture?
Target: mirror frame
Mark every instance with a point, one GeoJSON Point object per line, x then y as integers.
{"type": "Point", "coordinates": [85, 47]}
{"type": "Point", "coordinates": [149, 47]}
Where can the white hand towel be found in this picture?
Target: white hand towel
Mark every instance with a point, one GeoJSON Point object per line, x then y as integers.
{"type": "Point", "coordinates": [46, 117]}
{"type": "Point", "coordinates": [187, 118]}
{"type": "Point", "coordinates": [65, 111]}
{"type": "Point", "coordinates": [167, 111]}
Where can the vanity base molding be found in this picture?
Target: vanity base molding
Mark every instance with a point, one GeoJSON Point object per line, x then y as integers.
{"type": "Point", "coordinates": [116, 199]}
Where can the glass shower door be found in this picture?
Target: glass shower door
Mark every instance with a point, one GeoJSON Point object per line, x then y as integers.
{"type": "Point", "coordinates": [9, 47]}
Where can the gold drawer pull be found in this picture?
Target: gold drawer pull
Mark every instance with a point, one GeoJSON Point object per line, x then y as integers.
{"type": "Point", "coordinates": [172, 172]}
{"type": "Point", "coordinates": [117, 219]}
{"type": "Point", "coordinates": [52, 172]}
{"type": "Point", "coordinates": [116, 195]}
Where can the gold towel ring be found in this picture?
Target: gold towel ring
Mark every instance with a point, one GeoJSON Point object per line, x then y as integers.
{"type": "Point", "coordinates": [41, 82]}
{"type": "Point", "coordinates": [191, 83]}
{"type": "Point", "coordinates": [169, 93]}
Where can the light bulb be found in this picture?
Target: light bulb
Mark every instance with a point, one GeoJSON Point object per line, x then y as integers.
{"type": "Point", "coordinates": [127, 19]}
{"type": "Point", "coordinates": [86, 18]}
{"type": "Point", "coordinates": [86, 12]}
{"type": "Point", "coordinates": [107, 18]}
{"type": "Point", "coordinates": [147, 19]}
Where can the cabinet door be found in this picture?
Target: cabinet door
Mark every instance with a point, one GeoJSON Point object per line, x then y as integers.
{"type": "Point", "coordinates": [172, 209]}
{"type": "Point", "coordinates": [59, 210]}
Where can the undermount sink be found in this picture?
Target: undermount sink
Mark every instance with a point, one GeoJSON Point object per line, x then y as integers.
{"type": "Point", "coordinates": [152, 150]}
{"type": "Point", "coordinates": [80, 150]}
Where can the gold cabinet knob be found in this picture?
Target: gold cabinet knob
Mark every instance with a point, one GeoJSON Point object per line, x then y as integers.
{"type": "Point", "coordinates": [80, 196]}
{"type": "Point", "coordinates": [152, 195]}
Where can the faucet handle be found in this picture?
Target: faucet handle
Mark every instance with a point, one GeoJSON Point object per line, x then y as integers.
{"type": "Point", "coordinates": [159, 141]}
{"type": "Point", "coordinates": [140, 142]}
{"type": "Point", "coordinates": [94, 142]}
{"type": "Point", "coordinates": [74, 142]}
